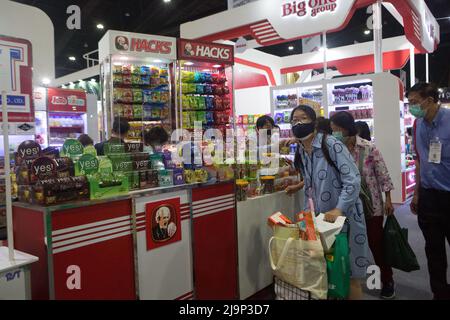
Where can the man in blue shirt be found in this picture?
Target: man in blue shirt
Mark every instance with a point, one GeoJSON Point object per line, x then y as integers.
{"type": "Point", "coordinates": [431, 200]}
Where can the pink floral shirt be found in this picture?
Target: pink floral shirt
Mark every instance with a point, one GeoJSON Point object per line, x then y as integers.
{"type": "Point", "coordinates": [374, 172]}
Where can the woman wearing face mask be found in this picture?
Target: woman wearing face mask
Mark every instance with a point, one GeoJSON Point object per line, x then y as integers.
{"type": "Point", "coordinates": [377, 179]}
{"type": "Point", "coordinates": [332, 181]}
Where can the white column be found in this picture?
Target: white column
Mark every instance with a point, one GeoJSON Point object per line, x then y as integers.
{"type": "Point", "coordinates": [427, 66]}
{"type": "Point", "coordinates": [9, 223]}
{"type": "Point", "coordinates": [412, 65]}
{"type": "Point", "coordinates": [378, 36]}
{"type": "Point", "coordinates": [325, 62]}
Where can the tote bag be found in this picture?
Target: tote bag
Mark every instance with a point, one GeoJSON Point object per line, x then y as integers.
{"type": "Point", "coordinates": [298, 262]}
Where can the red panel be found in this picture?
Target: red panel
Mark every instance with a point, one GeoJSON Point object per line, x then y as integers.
{"type": "Point", "coordinates": [215, 248]}
{"type": "Point", "coordinates": [29, 233]}
{"type": "Point", "coordinates": [363, 64]}
{"type": "Point", "coordinates": [65, 100]}
{"type": "Point", "coordinates": [246, 79]}
{"type": "Point", "coordinates": [107, 267]}
{"type": "Point", "coordinates": [258, 66]}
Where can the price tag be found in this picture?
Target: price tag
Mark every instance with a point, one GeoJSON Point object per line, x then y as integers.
{"type": "Point", "coordinates": [435, 151]}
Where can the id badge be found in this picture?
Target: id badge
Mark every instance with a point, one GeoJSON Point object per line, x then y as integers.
{"type": "Point", "coordinates": [435, 151]}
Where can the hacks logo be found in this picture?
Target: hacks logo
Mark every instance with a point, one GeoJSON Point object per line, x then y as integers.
{"type": "Point", "coordinates": [122, 43]}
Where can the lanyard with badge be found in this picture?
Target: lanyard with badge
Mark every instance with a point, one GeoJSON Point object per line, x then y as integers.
{"type": "Point", "coordinates": [435, 153]}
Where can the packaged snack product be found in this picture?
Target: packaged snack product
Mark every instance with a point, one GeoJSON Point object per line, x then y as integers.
{"type": "Point", "coordinates": [117, 79]}
{"type": "Point", "coordinates": [127, 96]}
{"type": "Point", "coordinates": [126, 79]}
{"type": "Point", "coordinates": [201, 103]}
{"type": "Point", "coordinates": [156, 96]}
{"type": "Point", "coordinates": [165, 178]}
{"type": "Point", "coordinates": [200, 89]}
{"type": "Point", "coordinates": [178, 176]}
{"type": "Point", "coordinates": [218, 103]}
{"type": "Point", "coordinates": [156, 113]}
{"type": "Point", "coordinates": [208, 89]}
{"type": "Point", "coordinates": [165, 96]}
{"type": "Point", "coordinates": [137, 96]}
{"type": "Point", "coordinates": [209, 103]}
{"type": "Point", "coordinates": [117, 69]}
{"type": "Point", "coordinates": [226, 103]}
{"type": "Point", "coordinates": [145, 71]}
{"type": "Point", "coordinates": [138, 112]}
{"type": "Point", "coordinates": [135, 70]}
{"type": "Point", "coordinates": [136, 79]}
{"type": "Point", "coordinates": [189, 176]}
{"type": "Point", "coordinates": [126, 69]}
{"type": "Point", "coordinates": [145, 80]}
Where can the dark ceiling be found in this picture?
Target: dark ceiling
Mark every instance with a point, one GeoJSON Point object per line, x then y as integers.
{"type": "Point", "coordinates": [158, 17]}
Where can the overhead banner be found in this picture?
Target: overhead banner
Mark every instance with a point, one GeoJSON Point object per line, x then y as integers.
{"type": "Point", "coordinates": [16, 77]}
{"type": "Point", "coordinates": [203, 51]}
{"type": "Point", "coordinates": [272, 22]}
{"type": "Point", "coordinates": [65, 100]}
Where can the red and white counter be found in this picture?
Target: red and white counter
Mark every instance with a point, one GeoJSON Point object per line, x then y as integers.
{"type": "Point", "coordinates": [107, 249]}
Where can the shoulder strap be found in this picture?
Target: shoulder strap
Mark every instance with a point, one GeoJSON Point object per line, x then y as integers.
{"type": "Point", "coordinates": [326, 152]}
{"type": "Point", "coordinates": [362, 154]}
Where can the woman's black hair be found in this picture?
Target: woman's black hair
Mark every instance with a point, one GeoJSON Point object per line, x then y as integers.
{"type": "Point", "coordinates": [346, 121]}
{"type": "Point", "coordinates": [262, 121]}
{"type": "Point", "coordinates": [85, 140]}
{"type": "Point", "coordinates": [363, 130]}
{"type": "Point", "coordinates": [324, 125]}
{"type": "Point", "coordinates": [306, 109]}
{"type": "Point", "coordinates": [156, 136]}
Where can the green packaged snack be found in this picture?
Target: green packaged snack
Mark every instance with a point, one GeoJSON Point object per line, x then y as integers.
{"type": "Point", "coordinates": [192, 88]}
{"type": "Point", "coordinates": [138, 111]}
{"type": "Point", "coordinates": [165, 178]}
{"type": "Point", "coordinates": [287, 116]}
{"type": "Point", "coordinates": [138, 96]}
{"type": "Point", "coordinates": [185, 100]}
{"type": "Point", "coordinates": [136, 79]}
{"type": "Point", "coordinates": [201, 103]}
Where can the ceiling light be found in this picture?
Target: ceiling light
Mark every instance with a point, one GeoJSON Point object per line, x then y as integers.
{"type": "Point", "coordinates": [206, 70]}
{"type": "Point", "coordinates": [291, 48]}
{"type": "Point", "coordinates": [127, 14]}
{"type": "Point", "coordinates": [167, 1]}
{"type": "Point", "coordinates": [123, 58]}
{"type": "Point", "coordinates": [157, 61]}
{"type": "Point", "coordinates": [93, 80]}
{"type": "Point", "coordinates": [367, 32]}
{"type": "Point", "coordinates": [72, 58]}
{"type": "Point", "coordinates": [100, 26]}
{"type": "Point", "coordinates": [45, 81]}
{"type": "Point", "coordinates": [217, 66]}
{"type": "Point", "coordinates": [189, 63]}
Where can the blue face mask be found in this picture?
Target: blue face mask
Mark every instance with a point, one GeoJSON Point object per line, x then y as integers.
{"type": "Point", "coordinates": [338, 135]}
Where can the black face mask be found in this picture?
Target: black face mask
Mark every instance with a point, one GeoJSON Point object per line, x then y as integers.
{"type": "Point", "coordinates": [303, 130]}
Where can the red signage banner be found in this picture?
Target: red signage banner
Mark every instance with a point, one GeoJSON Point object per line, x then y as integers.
{"type": "Point", "coordinates": [65, 100]}
{"type": "Point", "coordinates": [163, 220]}
{"type": "Point", "coordinates": [205, 51]}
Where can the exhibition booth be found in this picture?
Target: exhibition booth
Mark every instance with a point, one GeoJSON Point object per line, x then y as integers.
{"type": "Point", "coordinates": [175, 223]}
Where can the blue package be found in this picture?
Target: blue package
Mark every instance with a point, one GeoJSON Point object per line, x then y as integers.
{"type": "Point", "coordinates": [207, 78]}
{"type": "Point", "coordinates": [208, 89]}
{"type": "Point", "coordinates": [200, 89]}
{"type": "Point", "coordinates": [210, 118]}
{"type": "Point", "coordinates": [209, 103]}
{"type": "Point", "coordinates": [198, 77]}
{"type": "Point", "coordinates": [178, 176]}
{"type": "Point", "coordinates": [145, 71]}
{"type": "Point", "coordinates": [147, 96]}
{"type": "Point", "coordinates": [279, 118]}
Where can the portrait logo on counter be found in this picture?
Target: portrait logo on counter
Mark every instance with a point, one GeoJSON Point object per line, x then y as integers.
{"type": "Point", "coordinates": [122, 43]}
{"type": "Point", "coordinates": [163, 221]}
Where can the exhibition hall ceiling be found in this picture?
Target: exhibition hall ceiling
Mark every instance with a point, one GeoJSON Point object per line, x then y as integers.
{"type": "Point", "coordinates": [163, 17]}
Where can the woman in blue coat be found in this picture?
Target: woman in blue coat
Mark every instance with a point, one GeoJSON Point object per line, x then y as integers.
{"type": "Point", "coordinates": [332, 181]}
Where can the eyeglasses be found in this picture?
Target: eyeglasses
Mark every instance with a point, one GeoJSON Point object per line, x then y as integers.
{"type": "Point", "coordinates": [295, 122]}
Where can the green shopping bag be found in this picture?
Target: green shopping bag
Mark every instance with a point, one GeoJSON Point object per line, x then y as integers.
{"type": "Point", "coordinates": [338, 268]}
{"type": "Point", "coordinates": [397, 251]}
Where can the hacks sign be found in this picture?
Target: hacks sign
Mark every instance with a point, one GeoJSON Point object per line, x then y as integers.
{"type": "Point", "coordinates": [204, 51]}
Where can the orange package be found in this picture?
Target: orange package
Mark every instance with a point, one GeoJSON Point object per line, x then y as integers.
{"type": "Point", "coordinates": [279, 219]}
{"type": "Point", "coordinates": [305, 223]}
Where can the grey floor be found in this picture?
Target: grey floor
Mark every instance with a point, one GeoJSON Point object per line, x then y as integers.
{"type": "Point", "coordinates": [413, 285]}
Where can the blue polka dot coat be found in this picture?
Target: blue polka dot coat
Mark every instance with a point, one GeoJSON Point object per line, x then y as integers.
{"type": "Point", "coordinates": [331, 189]}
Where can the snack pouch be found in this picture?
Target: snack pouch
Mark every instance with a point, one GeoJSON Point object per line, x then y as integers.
{"type": "Point", "coordinates": [126, 69]}
{"type": "Point", "coordinates": [208, 89]}
{"type": "Point", "coordinates": [137, 96]}
{"type": "Point", "coordinates": [207, 78]}
{"type": "Point", "coordinates": [201, 103]}
{"type": "Point", "coordinates": [218, 103]}
{"type": "Point", "coordinates": [156, 96]}
{"type": "Point", "coordinates": [136, 79]}
{"type": "Point", "coordinates": [145, 80]}
{"type": "Point", "coordinates": [117, 69]}
{"type": "Point", "coordinates": [155, 81]}
{"type": "Point", "coordinates": [209, 101]}
{"type": "Point", "coordinates": [200, 89]}
{"type": "Point", "coordinates": [127, 96]}
{"type": "Point", "coordinates": [145, 71]}
{"type": "Point", "coordinates": [117, 79]}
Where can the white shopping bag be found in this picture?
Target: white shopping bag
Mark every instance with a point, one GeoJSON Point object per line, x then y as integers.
{"type": "Point", "coordinates": [328, 231]}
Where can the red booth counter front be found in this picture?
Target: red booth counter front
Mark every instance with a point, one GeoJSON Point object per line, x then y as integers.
{"type": "Point", "coordinates": [100, 249]}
